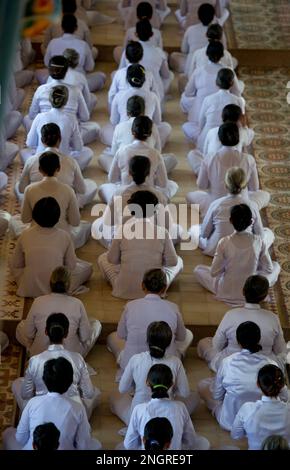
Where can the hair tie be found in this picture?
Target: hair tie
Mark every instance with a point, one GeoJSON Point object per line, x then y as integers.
{"type": "Point", "coordinates": [160, 386]}
{"type": "Point", "coordinates": [136, 80]}
{"type": "Point", "coordinates": [154, 442]}
{"type": "Point", "coordinates": [57, 65]}
{"type": "Point", "coordinates": [157, 347]}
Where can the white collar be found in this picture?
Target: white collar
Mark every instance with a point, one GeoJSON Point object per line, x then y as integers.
{"type": "Point", "coordinates": [252, 306]}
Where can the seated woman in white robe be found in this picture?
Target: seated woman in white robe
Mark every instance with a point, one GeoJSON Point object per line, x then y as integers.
{"type": "Point", "coordinates": [213, 169]}
{"type": "Point", "coordinates": [216, 223]}
{"type": "Point", "coordinates": [71, 142]}
{"type": "Point", "coordinates": [123, 133]}
{"type": "Point", "coordinates": [133, 55]}
{"type": "Point", "coordinates": [12, 121]}
{"type": "Point", "coordinates": [189, 11]}
{"type": "Point", "coordinates": [144, 11]}
{"type": "Point", "coordinates": [83, 331]}
{"type": "Point", "coordinates": [130, 337]}
{"type": "Point", "coordinates": [210, 114]}
{"type": "Point", "coordinates": [76, 105]}
{"type": "Point", "coordinates": [268, 416]}
{"type": "Point", "coordinates": [42, 248]}
{"type": "Point", "coordinates": [82, 390]}
{"type": "Point", "coordinates": [160, 166]}
{"type": "Point", "coordinates": [54, 30]}
{"type": "Point", "coordinates": [236, 379]}
{"type": "Point", "coordinates": [159, 337]}
{"type": "Point", "coordinates": [67, 415]}
{"type": "Point", "coordinates": [237, 257]}
{"type": "Point", "coordinates": [158, 434]}
{"type": "Point", "coordinates": [23, 77]}
{"type": "Point", "coordinates": [202, 83]}
{"type": "Point", "coordinates": [160, 381]}
{"type": "Point", "coordinates": [224, 343]}
{"type": "Point", "coordinates": [193, 39]}
{"type": "Point", "coordinates": [128, 12]}
{"type": "Point", "coordinates": [69, 173]}
{"type": "Point", "coordinates": [122, 265]}
{"type": "Point", "coordinates": [116, 212]}
{"type": "Point", "coordinates": [49, 166]}
{"type": "Point", "coordinates": [212, 144]}
{"type": "Point", "coordinates": [136, 77]}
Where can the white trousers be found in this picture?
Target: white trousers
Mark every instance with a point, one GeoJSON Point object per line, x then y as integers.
{"type": "Point", "coordinates": [12, 121]}
{"type": "Point", "coordinates": [23, 78]}
{"type": "Point", "coordinates": [89, 131]}
{"type": "Point", "coordinates": [11, 150]}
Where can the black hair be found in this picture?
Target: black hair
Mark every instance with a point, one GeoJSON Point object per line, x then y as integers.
{"type": "Point", "coordinates": [157, 433]}
{"type": "Point", "coordinates": [69, 23]}
{"type": "Point", "coordinates": [50, 134]}
{"type": "Point", "coordinates": [58, 96]}
{"type": "Point", "coordinates": [135, 106]}
{"type": "Point", "coordinates": [215, 51]}
{"type": "Point", "coordinates": [136, 75]}
{"type": "Point", "coordinates": [160, 380]}
{"type": "Point", "coordinates": [275, 442]}
{"type": "Point", "coordinates": [134, 52]}
{"type": "Point", "coordinates": [69, 6]}
{"type": "Point", "coordinates": [231, 113]}
{"type": "Point", "coordinates": [225, 78]}
{"type": "Point", "coordinates": [206, 13]}
{"type": "Point", "coordinates": [229, 134]}
{"type": "Point", "coordinates": [142, 204]}
{"type": "Point", "coordinates": [248, 336]}
{"type": "Point", "coordinates": [144, 11]}
{"type": "Point", "coordinates": [46, 212]}
{"type": "Point", "coordinates": [256, 289]}
{"type": "Point", "coordinates": [241, 217]}
{"type": "Point", "coordinates": [60, 280]}
{"type": "Point", "coordinates": [159, 337]}
{"type": "Point", "coordinates": [57, 326]}
{"type": "Point", "coordinates": [58, 375]}
{"type": "Point", "coordinates": [57, 67]}
{"type": "Point", "coordinates": [271, 380]}
{"type": "Point", "coordinates": [139, 168]}
{"type": "Point", "coordinates": [142, 127]}
{"type": "Point", "coordinates": [49, 163]}
{"type": "Point", "coordinates": [214, 32]}
{"type": "Point", "coordinates": [72, 56]}
{"type": "Point", "coordinates": [155, 281]}
{"type": "Point", "coordinates": [144, 30]}
{"type": "Point", "coordinates": [46, 437]}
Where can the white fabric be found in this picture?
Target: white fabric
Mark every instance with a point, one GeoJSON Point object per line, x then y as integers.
{"type": "Point", "coordinates": [237, 257]}
{"type": "Point", "coordinates": [213, 144]}
{"type": "Point", "coordinates": [266, 417]}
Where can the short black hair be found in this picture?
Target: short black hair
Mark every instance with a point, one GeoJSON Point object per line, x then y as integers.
{"type": "Point", "coordinates": [229, 134]}
{"type": "Point", "coordinates": [215, 51]}
{"type": "Point", "coordinates": [46, 212]}
{"type": "Point", "coordinates": [49, 163]}
{"type": "Point", "coordinates": [159, 337]}
{"type": "Point", "coordinates": [206, 13]}
{"type": "Point", "coordinates": [134, 52]}
{"type": "Point", "coordinates": [135, 106]}
{"type": "Point", "coordinates": [214, 32]}
{"type": "Point", "coordinates": [144, 30]}
{"type": "Point", "coordinates": [248, 336]}
{"type": "Point", "coordinates": [256, 289]}
{"type": "Point", "coordinates": [157, 433]}
{"type": "Point", "coordinates": [136, 75]}
{"type": "Point", "coordinates": [144, 11]}
{"type": "Point", "coordinates": [57, 327]}
{"type": "Point", "coordinates": [69, 6]}
{"type": "Point", "coordinates": [69, 23]}
{"type": "Point", "coordinates": [142, 127]}
{"type": "Point", "coordinates": [225, 78]}
{"type": "Point", "coordinates": [58, 375]}
{"type": "Point", "coordinates": [231, 113]}
{"type": "Point", "coordinates": [46, 437]}
{"type": "Point", "coordinates": [50, 134]}
{"type": "Point", "coordinates": [241, 217]}
{"type": "Point", "coordinates": [142, 204]}
{"type": "Point", "coordinates": [139, 168]}
{"type": "Point", "coordinates": [57, 67]}
{"type": "Point", "coordinates": [155, 280]}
